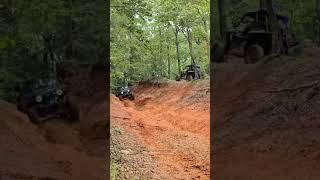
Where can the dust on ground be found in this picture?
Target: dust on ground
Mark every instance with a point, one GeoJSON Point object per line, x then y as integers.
{"type": "Point", "coordinates": [266, 119]}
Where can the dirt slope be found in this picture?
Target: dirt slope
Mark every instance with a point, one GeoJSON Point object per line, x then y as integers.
{"type": "Point", "coordinates": [55, 149]}
{"type": "Point", "coordinates": [267, 119]}
{"type": "Point", "coordinates": [171, 123]}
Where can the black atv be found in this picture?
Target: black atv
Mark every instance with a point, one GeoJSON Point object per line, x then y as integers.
{"type": "Point", "coordinates": [252, 38]}
{"type": "Point", "coordinates": [124, 93]}
{"type": "Point", "coordinates": [43, 99]}
{"type": "Point", "coordinates": [189, 73]}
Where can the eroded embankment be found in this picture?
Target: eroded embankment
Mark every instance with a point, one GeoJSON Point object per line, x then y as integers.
{"type": "Point", "coordinates": [171, 122]}
{"type": "Point", "coordinates": [55, 149]}
{"type": "Point", "coordinates": [267, 119]}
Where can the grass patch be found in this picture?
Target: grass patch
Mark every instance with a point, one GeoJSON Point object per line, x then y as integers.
{"type": "Point", "coordinates": [114, 173]}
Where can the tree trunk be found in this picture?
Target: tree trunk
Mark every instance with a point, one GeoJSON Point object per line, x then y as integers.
{"type": "Point", "coordinates": [207, 37]}
{"type": "Point", "coordinates": [262, 4]}
{"type": "Point", "coordinates": [69, 29]}
{"type": "Point", "coordinates": [185, 55]}
{"type": "Point", "coordinates": [129, 72]}
{"type": "Point", "coordinates": [222, 22]}
{"type": "Point", "coordinates": [160, 43]}
{"type": "Point", "coordinates": [189, 38]}
{"type": "Point", "coordinates": [275, 29]}
{"type": "Point", "coordinates": [176, 33]}
{"type": "Point", "coordinates": [169, 62]}
{"type": "Point", "coordinates": [318, 20]}
{"type": "Point", "coordinates": [205, 27]}
{"type": "Point", "coordinates": [12, 32]}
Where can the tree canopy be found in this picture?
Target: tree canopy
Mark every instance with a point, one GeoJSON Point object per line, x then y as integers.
{"type": "Point", "coordinates": [303, 15]}
{"type": "Point", "coordinates": [153, 40]}
{"type": "Point", "coordinates": [78, 27]}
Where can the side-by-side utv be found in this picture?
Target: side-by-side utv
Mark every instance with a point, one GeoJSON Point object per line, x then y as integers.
{"type": "Point", "coordinates": [252, 38]}
{"type": "Point", "coordinates": [44, 99]}
{"type": "Point", "coordinates": [124, 93]}
{"type": "Point", "coordinates": [189, 73]}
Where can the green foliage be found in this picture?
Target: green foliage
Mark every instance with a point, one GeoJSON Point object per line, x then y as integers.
{"type": "Point", "coordinates": [143, 46]}
{"type": "Point", "coordinates": [303, 18]}
{"type": "Point", "coordinates": [79, 27]}
{"type": "Point", "coordinates": [114, 173]}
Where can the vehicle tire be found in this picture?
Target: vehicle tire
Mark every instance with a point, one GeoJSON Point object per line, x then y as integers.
{"type": "Point", "coordinates": [34, 116]}
{"type": "Point", "coordinates": [189, 77]}
{"type": "Point", "coordinates": [72, 112]}
{"type": "Point", "coordinates": [295, 50]}
{"type": "Point", "coordinates": [218, 52]}
{"type": "Point", "coordinates": [131, 97]}
{"type": "Point", "coordinates": [178, 78]}
{"type": "Point", "coordinates": [121, 98]}
{"type": "Point", "coordinates": [253, 54]}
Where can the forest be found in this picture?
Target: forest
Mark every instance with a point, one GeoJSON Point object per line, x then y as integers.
{"type": "Point", "coordinates": [149, 40]}
{"type": "Point", "coordinates": [78, 30]}
{"type": "Point", "coordinates": [304, 16]}
{"type": "Point", "coordinates": [155, 40]}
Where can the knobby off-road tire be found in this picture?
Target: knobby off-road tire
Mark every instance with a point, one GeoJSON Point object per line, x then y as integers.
{"type": "Point", "coordinates": [178, 78]}
{"type": "Point", "coordinates": [189, 77]}
{"type": "Point", "coordinates": [34, 116]}
{"type": "Point", "coordinates": [131, 97]}
{"type": "Point", "coordinates": [72, 113]}
{"type": "Point", "coordinates": [253, 54]}
{"type": "Point", "coordinates": [295, 50]}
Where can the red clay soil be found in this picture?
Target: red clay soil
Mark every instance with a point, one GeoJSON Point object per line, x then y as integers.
{"type": "Point", "coordinates": [55, 149]}
{"type": "Point", "coordinates": [172, 120]}
{"type": "Point", "coordinates": [266, 119]}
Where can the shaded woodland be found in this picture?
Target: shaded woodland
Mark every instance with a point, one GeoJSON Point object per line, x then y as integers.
{"type": "Point", "coordinates": [155, 40]}
{"type": "Point", "coordinates": [77, 31]}
{"type": "Point", "coordinates": [304, 16]}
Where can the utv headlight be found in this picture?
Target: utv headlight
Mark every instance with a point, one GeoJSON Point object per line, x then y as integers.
{"type": "Point", "coordinates": [38, 99]}
{"type": "Point", "coordinates": [121, 92]}
{"type": "Point", "coordinates": [59, 92]}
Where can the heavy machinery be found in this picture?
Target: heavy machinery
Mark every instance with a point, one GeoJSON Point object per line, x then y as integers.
{"type": "Point", "coordinates": [253, 38]}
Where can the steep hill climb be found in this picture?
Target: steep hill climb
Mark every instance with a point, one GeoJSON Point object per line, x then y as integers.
{"type": "Point", "coordinates": [55, 149]}
{"type": "Point", "coordinates": [267, 119]}
{"type": "Point", "coordinates": [168, 126]}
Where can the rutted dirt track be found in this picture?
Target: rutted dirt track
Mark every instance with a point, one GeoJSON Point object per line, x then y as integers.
{"type": "Point", "coordinates": [54, 150]}
{"type": "Point", "coordinates": [170, 121]}
{"type": "Point", "coordinates": [266, 119]}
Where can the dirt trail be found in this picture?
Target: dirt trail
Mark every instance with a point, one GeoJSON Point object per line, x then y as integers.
{"type": "Point", "coordinates": [56, 149]}
{"type": "Point", "coordinates": [171, 120]}
{"type": "Point", "coordinates": [267, 124]}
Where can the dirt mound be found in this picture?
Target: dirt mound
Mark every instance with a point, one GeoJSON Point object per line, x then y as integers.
{"type": "Point", "coordinates": [267, 120]}
{"type": "Point", "coordinates": [21, 155]}
{"type": "Point", "coordinates": [171, 121]}
{"type": "Point", "coordinates": [55, 149]}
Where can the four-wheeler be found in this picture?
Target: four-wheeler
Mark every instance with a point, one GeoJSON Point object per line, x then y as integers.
{"type": "Point", "coordinates": [43, 99]}
{"type": "Point", "coordinates": [124, 93]}
{"type": "Point", "coordinates": [253, 39]}
{"type": "Point", "coordinates": [189, 73]}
